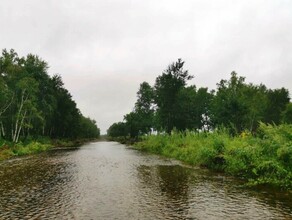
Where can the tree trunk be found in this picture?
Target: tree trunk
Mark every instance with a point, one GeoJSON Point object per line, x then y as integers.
{"type": "Point", "coordinates": [19, 120]}
{"type": "Point", "coordinates": [2, 130]}
{"type": "Point", "coordinates": [20, 126]}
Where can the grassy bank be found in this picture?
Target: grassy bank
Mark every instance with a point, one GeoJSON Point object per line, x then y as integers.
{"type": "Point", "coordinates": [9, 149]}
{"type": "Point", "coordinates": [262, 159]}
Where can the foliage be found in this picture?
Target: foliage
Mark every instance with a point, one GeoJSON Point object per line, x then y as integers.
{"type": "Point", "coordinates": [287, 114]}
{"type": "Point", "coordinates": [144, 108]}
{"type": "Point", "coordinates": [240, 106]}
{"type": "Point", "coordinates": [223, 129]}
{"type": "Point", "coordinates": [277, 102]}
{"type": "Point", "coordinates": [117, 130]}
{"type": "Point", "coordinates": [33, 104]}
{"type": "Point", "coordinates": [167, 87]}
{"type": "Point", "coordinates": [88, 128]}
{"type": "Point", "coordinates": [33, 147]}
{"type": "Point", "coordinates": [10, 149]}
{"type": "Point", "coordinates": [235, 105]}
{"type": "Point", "coordinates": [262, 159]}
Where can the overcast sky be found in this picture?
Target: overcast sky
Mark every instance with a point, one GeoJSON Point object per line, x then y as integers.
{"type": "Point", "coordinates": [104, 49]}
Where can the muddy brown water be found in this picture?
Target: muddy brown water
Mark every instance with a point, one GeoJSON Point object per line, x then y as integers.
{"type": "Point", "coordinates": [107, 180]}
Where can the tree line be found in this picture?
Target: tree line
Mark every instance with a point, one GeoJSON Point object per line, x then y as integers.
{"type": "Point", "coordinates": [33, 104]}
{"type": "Point", "coordinates": [173, 104]}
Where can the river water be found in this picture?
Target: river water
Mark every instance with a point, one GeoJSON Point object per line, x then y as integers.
{"type": "Point", "coordinates": [107, 180]}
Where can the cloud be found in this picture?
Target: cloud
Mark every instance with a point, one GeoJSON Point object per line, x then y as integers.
{"type": "Point", "coordinates": [104, 49]}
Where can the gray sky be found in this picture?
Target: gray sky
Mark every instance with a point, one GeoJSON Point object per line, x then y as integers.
{"type": "Point", "coordinates": [104, 49]}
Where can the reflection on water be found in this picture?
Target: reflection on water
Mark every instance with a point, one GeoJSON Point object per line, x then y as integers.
{"type": "Point", "coordinates": [106, 180]}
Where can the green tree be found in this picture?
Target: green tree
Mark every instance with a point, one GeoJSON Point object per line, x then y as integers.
{"type": "Point", "coordinates": [193, 109]}
{"type": "Point", "coordinates": [185, 109]}
{"type": "Point", "coordinates": [88, 128]}
{"type": "Point", "coordinates": [46, 102]}
{"type": "Point", "coordinates": [25, 105]}
{"type": "Point", "coordinates": [167, 86]}
{"type": "Point", "coordinates": [228, 109]}
{"type": "Point", "coordinates": [277, 101]}
{"type": "Point", "coordinates": [67, 116]}
{"type": "Point", "coordinates": [32, 103]}
{"type": "Point", "coordinates": [118, 130]}
{"type": "Point", "coordinates": [287, 114]}
{"type": "Point", "coordinates": [255, 98]}
{"type": "Point", "coordinates": [144, 107]}
{"type": "Point", "coordinates": [203, 103]}
{"type": "Point", "coordinates": [133, 126]}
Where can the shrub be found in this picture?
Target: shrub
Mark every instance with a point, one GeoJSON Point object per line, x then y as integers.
{"type": "Point", "coordinates": [265, 158]}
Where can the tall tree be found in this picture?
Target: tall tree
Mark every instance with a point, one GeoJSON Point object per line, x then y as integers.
{"type": "Point", "coordinates": [255, 98]}
{"type": "Point", "coordinates": [27, 89]}
{"type": "Point", "coordinates": [144, 107]}
{"type": "Point", "coordinates": [287, 114]}
{"type": "Point", "coordinates": [167, 87]}
{"type": "Point", "coordinates": [32, 103]}
{"type": "Point", "coordinates": [132, 122]}
{"type": "Point", "coordinates": [227, 108]}
{"type": "Point", "coordinates": [277, 102]}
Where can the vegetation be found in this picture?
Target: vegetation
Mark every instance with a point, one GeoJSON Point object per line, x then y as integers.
{"type": "Point", "coordinates": [239, 128]}
{"type": "Point", "coordinates": [9, 149]}
{"type": "Point", "coordinates": [34, 105]}
{"type": "Point", "coordinates": [173, 104]}
{"type": "Point", "coordinates": [262, 159]}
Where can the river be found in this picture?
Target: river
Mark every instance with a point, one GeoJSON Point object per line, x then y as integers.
{"type": "Point", "coordinates": [107, 180]}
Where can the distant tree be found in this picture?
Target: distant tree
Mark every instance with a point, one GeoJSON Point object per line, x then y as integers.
{"type": "Point", "coordinates": [118, 130]}
{"type": "Point", "coordinates": [88, 128]}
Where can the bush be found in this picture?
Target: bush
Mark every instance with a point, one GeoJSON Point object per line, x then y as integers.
{"type": "Point", "coordinates": [33, 147]}
{"type": "Point", "coordinates": [262, 159]}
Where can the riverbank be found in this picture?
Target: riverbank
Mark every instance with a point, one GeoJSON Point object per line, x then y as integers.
{"type": "Point", "coordinates": [265, 159]}
{"type": "Point", "coordinates": [9, 149]}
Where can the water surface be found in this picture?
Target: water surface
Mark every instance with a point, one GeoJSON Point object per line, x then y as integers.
{"type": "Point", "coordinates": [107, 180]}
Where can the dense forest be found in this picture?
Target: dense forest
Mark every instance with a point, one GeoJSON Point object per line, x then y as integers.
{"type": "Point", "coordinates": [34, 104]}
{"type": "Point", "coordinates": [173, 104]}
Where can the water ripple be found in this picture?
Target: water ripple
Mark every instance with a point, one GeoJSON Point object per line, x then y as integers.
{"type": "Point", "coordinates": [108, 181]}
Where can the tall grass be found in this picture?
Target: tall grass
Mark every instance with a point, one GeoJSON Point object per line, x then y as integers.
{"type": "Point", "coordinates": [34, 145]}
{"type": "Point", "coordinates": [262, 159]}
{"type": "Point", "coordinates": [9, 149]}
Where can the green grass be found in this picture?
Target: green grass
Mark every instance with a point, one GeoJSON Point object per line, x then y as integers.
{"type": "Point", "coordinates": [32, 146]}
{"type": "Point", "coordinates": [262, 159]}
{"type": "Point", "coordinates": [8, 149]}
